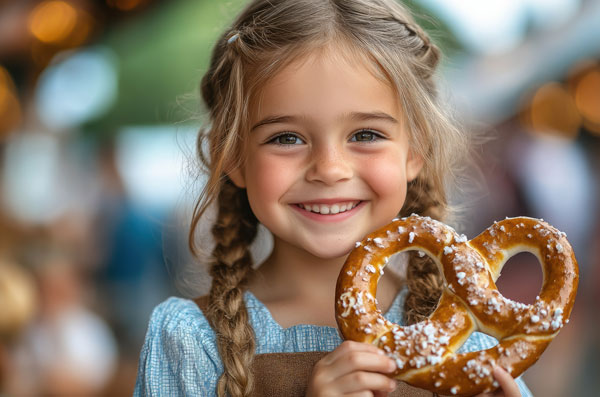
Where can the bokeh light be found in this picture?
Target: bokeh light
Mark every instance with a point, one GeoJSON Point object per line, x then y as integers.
{"type": "Point", "coordinates": [587, 98]}
{"type": "Point", "coordinates": [52, 21]}
{"type": "Point", "coordinates": [77, 87]}
{"type": "Point", "coordinates": [37, 159]}
{"type": "Point", "coordinates": [10, 108]}
{"type": "Point", "coordinates": [553, 111]}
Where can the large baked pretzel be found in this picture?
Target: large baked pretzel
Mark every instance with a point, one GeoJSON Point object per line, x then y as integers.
{"type": "Point", "coordinates": [425, 352]}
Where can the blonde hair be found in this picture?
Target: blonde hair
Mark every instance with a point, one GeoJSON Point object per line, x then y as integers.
{"type": "Point", "coordinates": [267, 36]}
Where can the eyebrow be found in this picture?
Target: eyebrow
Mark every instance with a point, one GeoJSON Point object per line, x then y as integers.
{"type": "Point", "coordinates": [354, 116]}
{"type": "Point", "coordinates": [367, 116]}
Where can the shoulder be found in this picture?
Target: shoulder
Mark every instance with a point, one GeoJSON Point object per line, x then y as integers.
{"type": "Point", "coordinates": [179, 355]}
{"type": "Point", "coordinates": [178, 315]}
{"type": "Point", "coordinates": [179, 324]}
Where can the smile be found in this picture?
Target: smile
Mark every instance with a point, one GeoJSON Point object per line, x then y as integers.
{"type": "Point", "coordinates": [326, 209]}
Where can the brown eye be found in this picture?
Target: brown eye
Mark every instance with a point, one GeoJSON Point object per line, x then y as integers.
{"type": "Point", "coordinates": [365, 136]}
{"type": "Point", "coordinates": [287, 139]}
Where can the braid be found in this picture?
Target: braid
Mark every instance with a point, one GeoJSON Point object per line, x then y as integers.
{"type": "Point", "coordinates": [429, 53]}
{"type": "Point", "coordinates": [423, 199]}
{"type": "Point", "coordinates": [233, 231]}
{"type": "Point", "coordinates": [422, 275]}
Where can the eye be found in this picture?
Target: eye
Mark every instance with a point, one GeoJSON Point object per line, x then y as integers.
{"type": "Point", "coordinates": [366, 136]}
{"type": "Point", "coordinates": [286, 139]}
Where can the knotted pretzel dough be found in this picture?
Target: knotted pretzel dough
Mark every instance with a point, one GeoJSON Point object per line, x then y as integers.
{"type": "Point", "coordinates": [425, 353]}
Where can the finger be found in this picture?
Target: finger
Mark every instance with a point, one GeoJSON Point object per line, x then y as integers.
{"type": "Point", "coordinates": [507, 383]}
{"type": "Point", "coordinates": [350, 346]}
{"type": "Point", "coordinates": [355, 361]}
{"type": "Point", "coordinates": [361, 381]}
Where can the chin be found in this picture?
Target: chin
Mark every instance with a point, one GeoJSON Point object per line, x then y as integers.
{"type": "Point", "coordinates": [337, 253]}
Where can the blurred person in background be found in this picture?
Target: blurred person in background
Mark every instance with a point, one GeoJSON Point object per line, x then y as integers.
{"type": "Point", "coordinates": [67, 349]}
{"type": "Point", "coordinates": [131, 275]}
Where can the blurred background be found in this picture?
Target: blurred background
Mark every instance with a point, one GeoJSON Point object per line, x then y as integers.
{"type": "Point", "coordinates": [98, 114]}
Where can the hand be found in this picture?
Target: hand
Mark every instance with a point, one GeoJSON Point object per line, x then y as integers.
{"type": "Point", "coordinates": [352, 369]}
{"type": "Point", "coordinates": [508, 386]}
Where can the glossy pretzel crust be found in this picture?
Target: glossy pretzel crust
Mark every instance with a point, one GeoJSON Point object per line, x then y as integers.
{"type": "Point", "coordinates": [425, 352]}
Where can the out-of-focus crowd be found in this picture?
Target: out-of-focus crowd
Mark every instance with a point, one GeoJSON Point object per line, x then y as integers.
{"type": "Point", "coordinates": [76, 293]}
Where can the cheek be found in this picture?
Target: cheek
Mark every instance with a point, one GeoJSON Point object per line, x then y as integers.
{"type": "Point", "coordinates": [386, 176]}
{"type": "Point", "coordinates": [267, 178]}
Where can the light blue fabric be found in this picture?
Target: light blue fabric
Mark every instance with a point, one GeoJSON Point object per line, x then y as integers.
{"type": "Point", "coordinates": [180, 355]}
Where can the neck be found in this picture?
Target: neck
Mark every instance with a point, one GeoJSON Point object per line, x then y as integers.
{"type": "Point", "coordinates": [299, 288]}
{"type": "Point", "coordinates": [292, 273]}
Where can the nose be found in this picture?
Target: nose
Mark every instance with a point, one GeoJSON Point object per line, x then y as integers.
{"type": "Point", "coordinates": [329, 164]}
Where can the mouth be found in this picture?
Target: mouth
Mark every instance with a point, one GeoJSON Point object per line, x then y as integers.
{"type": "Point", "coordinates": [329, 209]}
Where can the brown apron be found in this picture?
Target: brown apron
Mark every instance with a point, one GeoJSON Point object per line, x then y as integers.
{"type": "Point", "coordinates": [293, 371]}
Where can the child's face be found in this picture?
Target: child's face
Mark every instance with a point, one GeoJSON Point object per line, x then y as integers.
{"type": "Point", "coordinates": [329, 135]}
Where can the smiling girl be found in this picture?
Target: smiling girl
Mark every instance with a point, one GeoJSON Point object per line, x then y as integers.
{"type": "Point", "coordinates": [324, 126]}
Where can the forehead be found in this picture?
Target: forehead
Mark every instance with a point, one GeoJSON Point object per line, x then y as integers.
{"type": "Point", "coordinates": [341, 75]}
{"type": "Point", "coordinates": [338, 51]}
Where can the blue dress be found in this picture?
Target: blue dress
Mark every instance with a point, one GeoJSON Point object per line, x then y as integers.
{"type": "Point", "coordinates": [180, 355]}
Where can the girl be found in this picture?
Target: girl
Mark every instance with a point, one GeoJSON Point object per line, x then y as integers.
{"type": "Point", "coordinates": [324, 125]}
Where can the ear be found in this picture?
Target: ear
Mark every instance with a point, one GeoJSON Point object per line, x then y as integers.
{"type": "Point", "coordinates": [414, 164]}
{"type": "Point", "coordinates": [237, 177]}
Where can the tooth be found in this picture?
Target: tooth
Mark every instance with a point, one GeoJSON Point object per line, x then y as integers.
{"type": "Point", "coordinates": [306, 207]}
{"type": "Point", "coordinates": [324, 210]}
{"type": "Point", "coordinates": [335, 209]}
{"type": "Point", "coordinates": [315, 208]}
{"type": "Point", "coordinates": [343, 207]}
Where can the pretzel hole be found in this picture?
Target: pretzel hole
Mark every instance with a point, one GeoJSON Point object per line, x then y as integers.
{"type": "Point", "coordinates": [423, 269]}
{"type": "Point", "coordinates": [521, 278]}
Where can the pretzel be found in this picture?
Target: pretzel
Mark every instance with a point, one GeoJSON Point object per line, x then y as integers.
{"type": "Point", "coordinates": [425, 352]}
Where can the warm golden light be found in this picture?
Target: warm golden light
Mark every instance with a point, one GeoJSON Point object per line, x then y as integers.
{"type": "Point", "coordinates": [52, 21]}
{"type": "Point", "coordinates": [587, 96]}
{"type": "Point", "coordinates": [553, 111]}
{"type": "Point", "coordinates": [10, 108]}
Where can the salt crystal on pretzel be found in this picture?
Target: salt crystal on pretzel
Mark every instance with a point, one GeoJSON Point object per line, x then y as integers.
{"type": "Point", "coordinates": [425, 352]}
